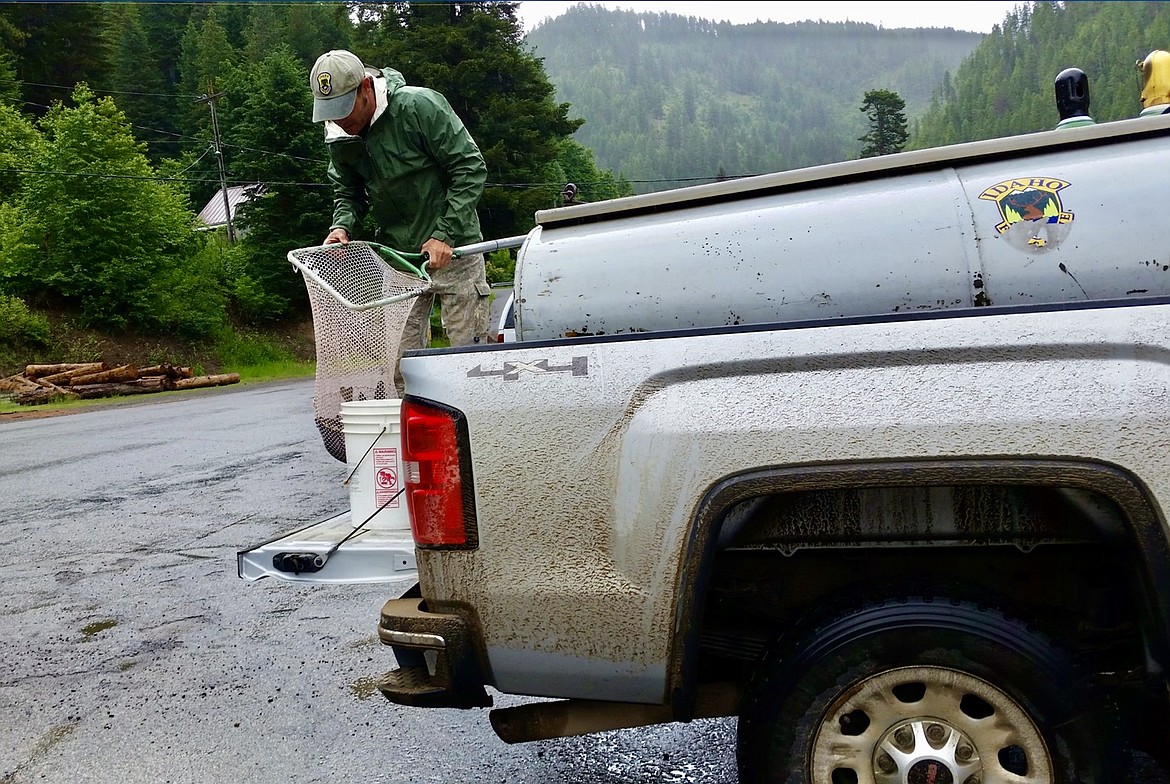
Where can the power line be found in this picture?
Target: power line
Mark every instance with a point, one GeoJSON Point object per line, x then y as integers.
{"type": "Point", "coordinates": [712, 178]}
{"type": "Point", "coordinates": [160, 178]}
{"type": "Point", "coordinates": [229, 181]}
{"type": "Point", "coordinates": [201, 157]}
{"type": "Point", "coordinates": [273, 152]}
{"type": "Point", "coordinates": [182, 138]}
{"type": "Point", "coordinates": [103, 175]}
{"type": "Point", "coordinates": [96, 90]}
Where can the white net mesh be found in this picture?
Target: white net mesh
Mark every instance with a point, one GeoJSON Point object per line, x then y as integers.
{"type": "Point", "coordinates": [360, 304]}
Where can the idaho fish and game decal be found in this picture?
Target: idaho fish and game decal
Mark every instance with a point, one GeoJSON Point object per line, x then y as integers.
{"type": "Point", "coordinates": [1033, 218]}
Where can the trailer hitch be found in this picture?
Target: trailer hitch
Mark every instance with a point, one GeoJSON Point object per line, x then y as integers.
{"type": "Point", "coordinates": [298, 563]}
{"type": "Point", "coordinates": [307, 563]}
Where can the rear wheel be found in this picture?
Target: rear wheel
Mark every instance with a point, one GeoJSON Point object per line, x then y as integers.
{"type": "Point", "coordinates": [918, 690]}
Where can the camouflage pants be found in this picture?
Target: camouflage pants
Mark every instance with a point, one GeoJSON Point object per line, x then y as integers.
{"type": "Point", "coordinates": [463, 293]}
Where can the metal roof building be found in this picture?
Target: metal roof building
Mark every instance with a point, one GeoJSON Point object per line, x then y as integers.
{"type": "Point", "coordinates": [212, 213]}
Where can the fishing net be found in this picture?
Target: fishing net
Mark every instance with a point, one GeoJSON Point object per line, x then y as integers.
{"type": "Point", "coordinates": [361, 295]}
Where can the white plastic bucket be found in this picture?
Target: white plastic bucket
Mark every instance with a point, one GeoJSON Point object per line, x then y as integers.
{"type": "Point", "coordinates": [373, 454]}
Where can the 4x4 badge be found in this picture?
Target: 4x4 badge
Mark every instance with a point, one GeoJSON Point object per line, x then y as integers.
{"type": "Point", "coordinates": [578, 366]}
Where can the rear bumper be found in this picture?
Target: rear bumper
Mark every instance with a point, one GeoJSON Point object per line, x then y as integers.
{"type": "Point", "coordinates": [436, 653]}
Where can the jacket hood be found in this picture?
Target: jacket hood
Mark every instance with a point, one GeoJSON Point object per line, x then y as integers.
{"type": "Point", "coordinates": [394, 80]}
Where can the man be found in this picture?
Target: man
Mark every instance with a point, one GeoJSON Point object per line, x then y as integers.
{"type": "Point", "coordinates": [403, 156]}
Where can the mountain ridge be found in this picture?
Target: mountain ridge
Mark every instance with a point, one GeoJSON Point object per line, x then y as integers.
{"type": "Point", "coordinates": [670, 100]}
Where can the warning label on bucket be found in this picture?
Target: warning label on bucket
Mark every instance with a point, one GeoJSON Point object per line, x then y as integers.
{"type": "Point", "coordinates": [385, 477]}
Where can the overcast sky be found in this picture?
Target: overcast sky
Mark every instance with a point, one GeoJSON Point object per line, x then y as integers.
{"type": "Point", "coordinates": [974, 15]}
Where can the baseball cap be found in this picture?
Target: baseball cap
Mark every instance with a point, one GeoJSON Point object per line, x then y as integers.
{"type": "Point", "coordinates": [335, 78]}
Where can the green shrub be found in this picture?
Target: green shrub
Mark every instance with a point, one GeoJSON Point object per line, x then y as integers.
{"type": "Point", "coordinates": [249, 300]}
{"type": "Point", "coordinates": [114, 247]}
{"type": "Point", "coordinates": [244, 349]}
{"type": "Point", "coordinates": [187, 298]}
{"type": "Point", "coordinates": [254, 303]}
{"type": "Point", "coordinates": [19, 326]}
{"type": "Point", "coordinates": [501, 266]}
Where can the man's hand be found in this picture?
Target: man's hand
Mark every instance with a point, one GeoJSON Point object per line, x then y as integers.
{"type": "Point", "coordinates": [439, 253]}
{"type": "Point", "coordinates": [337, 235]}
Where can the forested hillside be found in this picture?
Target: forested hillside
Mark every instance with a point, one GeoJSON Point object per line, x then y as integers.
{"type": "Point", "coordinates": [1005, 86]}
{"type": "Point", "coordinates": [119, 120]}
{"type": "Point", "coordinates": [670, 100]}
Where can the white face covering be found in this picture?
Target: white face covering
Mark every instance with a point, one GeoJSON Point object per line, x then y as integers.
{"type": "Point", "coordinates": [333, 131]}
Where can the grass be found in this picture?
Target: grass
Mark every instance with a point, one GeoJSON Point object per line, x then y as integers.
{"type": "Point", "coordinates": [274, 370]}
{"type": "Point", "coordinates": [8, 407]}
{"type": "Point", "coordinates": [261, 371]}
{"type": "Point", "coordinates": [265, 366]}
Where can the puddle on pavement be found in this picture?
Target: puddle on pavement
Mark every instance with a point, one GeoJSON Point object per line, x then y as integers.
{"type": "Point", "coordinates": [91, 629]}
{"type": "Point", "coordinates": [363, 688]}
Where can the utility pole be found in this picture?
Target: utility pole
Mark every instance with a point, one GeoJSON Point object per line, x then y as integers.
{"type": "Point", "coordinates": [209, 98]}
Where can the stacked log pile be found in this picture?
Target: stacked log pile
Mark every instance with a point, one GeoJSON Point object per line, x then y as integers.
{"type": "Point", "coordinates": [88, 380]}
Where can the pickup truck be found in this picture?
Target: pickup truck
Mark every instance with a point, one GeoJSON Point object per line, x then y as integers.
{"type": "Point", "coordinates": [874, 456]}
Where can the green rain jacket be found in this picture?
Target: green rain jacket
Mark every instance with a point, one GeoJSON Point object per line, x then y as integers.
{"type": "Point", "coordinates": [417, 172]}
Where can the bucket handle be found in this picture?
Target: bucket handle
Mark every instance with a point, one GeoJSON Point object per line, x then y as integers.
{"type": "Point", "coordinates": [358, 464]}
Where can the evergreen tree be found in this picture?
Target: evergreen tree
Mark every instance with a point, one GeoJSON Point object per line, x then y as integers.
{"type": "Point", "coordinates": [207, 59]}
{"type": "Point", "coordinates": [887, 123]}
{"type": "Point", "coordinates": [10, 40]}
{"type": "Point", "coordinates": [275, 143]}
{"type": "Point", "coordinates": [308, 29]}
{"type": "Point", "coordinates": [205, 65]}
{"type": "Point", "coordinates": [1005, 87]}
{"type": "Point", "coordinates": [139, 85]}
{"type": "Point", "coordinates": [670, 99]}
{"type": "Point", "coordinates": [472, 53]}
{"type": "Point", "coordinates": [163, 26]}
{"type": "Point", "coordinates": [60, 45]}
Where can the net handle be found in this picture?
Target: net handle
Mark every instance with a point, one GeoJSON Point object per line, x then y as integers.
{"type": "Point", "coordinates": [397, 260]}
{"type": "Point", "coordinates": [404, 262]}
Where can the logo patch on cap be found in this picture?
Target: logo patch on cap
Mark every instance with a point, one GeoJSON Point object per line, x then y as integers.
{"type": "Point", "coordinates": [324, 83]}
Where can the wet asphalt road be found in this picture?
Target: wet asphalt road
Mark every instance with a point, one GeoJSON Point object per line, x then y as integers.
{"type": "Point", "coordinates": [131, 651]}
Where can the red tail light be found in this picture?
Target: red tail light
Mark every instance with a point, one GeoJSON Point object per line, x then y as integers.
{"type": "Point", "coordinates": [439, 490]}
